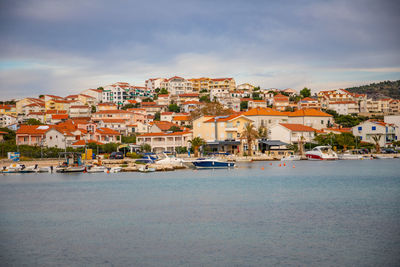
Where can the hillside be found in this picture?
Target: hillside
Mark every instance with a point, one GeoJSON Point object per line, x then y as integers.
{"type": "Point", "coordinates": [379, 90]}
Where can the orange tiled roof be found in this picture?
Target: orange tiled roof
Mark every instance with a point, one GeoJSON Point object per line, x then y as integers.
{"type": "Point", "coordinates": [297, 127]}
{"type": "Point", "coordinates": [263, 112]}
{"type": "Point", "coordinates": [113, 111]}
{"type": "Point", "coordinates": [163, 134]}
{"type": "Point", "coordinates": [113, 120]}
{"type": "Point", "coordinates": [227, 118]}
{"type": "Point", "coordinates": [189, 95]}
{"type": "Point", "coordinates": [33, 129]}
{"type": "Point", "coordinates": [59, 116]}
{"type": "Point", "coordinates": [107, 131]}
{"type": "Point", "coordinates": [1, 132]}
{"type": "Point", "coordinates": [181, 118]}
{"type": "Point", "coordinates": [308, 113]}
{"type": "Point", "coordinates": [82, 142]}
{"type": "Point", "coordinates": [55, 111]}
{"type": "Point", "coordinates": [164, 125]}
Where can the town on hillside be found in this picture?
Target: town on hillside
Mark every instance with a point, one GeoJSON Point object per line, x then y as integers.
{"type": "Point", "coordinates": [172, 114]}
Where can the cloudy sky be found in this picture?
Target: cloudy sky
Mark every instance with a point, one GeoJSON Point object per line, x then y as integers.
{"type": "Point", "coordinates": [63, 47]}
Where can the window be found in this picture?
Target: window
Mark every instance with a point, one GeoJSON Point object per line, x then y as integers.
{"type": "Point", "coordinates": [373, 128]}
{"type": "Point", "coordinates": [359, 128]}
{"type": "Point", "coordinates": [322, 121]}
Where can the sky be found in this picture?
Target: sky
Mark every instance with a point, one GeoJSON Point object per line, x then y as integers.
{"type": "Point", "coordinates": [64, 47]}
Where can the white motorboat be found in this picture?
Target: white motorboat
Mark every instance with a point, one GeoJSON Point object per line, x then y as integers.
{"type": "Point", "coordinates": [146, 168]}
{"type": "Point", "coordinates": [350, 155]}
{"type": "Point", "coordinates": [96, 168]}
{"type": "Point", "coordinates": [321, 153]}
{"type": "Point", "coordinates": [45, 169]}
{"type": "Point", "coordinates": [170, 160]}
{"type": "Point", "coordinates": [113, 169]}
{"type": "Point", "coordinates": [13, 168]}
{"type": "Point", "coordinates": [30, 169]}
{"type": "Point", "coordinates": [291, 157]}
{"type": "Point", "coordinates": [384, 156]}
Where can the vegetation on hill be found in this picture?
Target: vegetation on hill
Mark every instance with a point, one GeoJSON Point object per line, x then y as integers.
{"type": "Point", "coordinates": [379, 90]}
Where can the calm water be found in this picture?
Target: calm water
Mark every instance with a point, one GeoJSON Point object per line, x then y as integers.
{"type": "Point", "coordinates": [343, 213]}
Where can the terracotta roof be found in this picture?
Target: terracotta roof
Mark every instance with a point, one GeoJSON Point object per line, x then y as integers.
{"type": "Point", "coordinates": [106, 104]}
{"type": "Point", "coordinates": [82, 142]}
{"type": "Point", "coordinates": [227, 118]}
{"type": "Point", "coordinates": [37, 113]}
{"type": "Point", "coordinates": [308, 99]}
{"type": "Point", "coordinates": [308, 113]}
{"type": "Point", "coordinates": [164, 125]}
{"type": "Point", "coordinates": [297, 127]}
{"type": "Point", "coordinates": [163, 134]}
{"type": "Point", "coordinates": [167, 113]}
{"type": "Point", "coordinates": [113, 111]}
{"type": "Point", "coordinates": [59, 116]}
{"type": "Point", "coordinates": [342, 102]}
{"type": "Point", "coordinates": [55, 111]}
{"type": "Point", "coordinates": [148, 104]}
{"type": "Point", "coordinates": [280, 97]}
{"type": "Point", "coordinates": [97, 90]}
{"type": "Point", "coordinates": [221, 79]}
{"type": "Point", "coordinates": [132, 101]}
{"type": "Point", "coordinates": [342, 130]}
{"type": "Point", "coordinates": [263, 112]}
{"type": "Point", "coordinates": [175, 77]}
{"type": "Point", "coordinates": [87, 96]}
{"type": "Point", "coordinates": [181, 118]}
{"type": "Point", "coordinates": [113, 120]}
{"type": "Point", "coordinates": [33, 129]}
{"type": "Point", "coordinates": [1, 132]}
{"type": "Point", "coordinates": [107, 131]}
{"type": "Point", "coordinates": [258, 101]}
{"type": "Point", "coordinates": [72, 96]}
{"type": "Point", "coordinates": [79, 106]}
{"type": "Point", "coordinates": [164, 95]}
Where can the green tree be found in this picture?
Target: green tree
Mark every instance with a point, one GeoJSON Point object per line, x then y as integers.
{"type": "Point", "coordinates": [250, 134]}
{"type": "Point", "coordinates": [128, 106]}
{"type": "Point", "coordinates": [100, 88]}
{"type": "Point", "coordinates": [148, 99]}
{"type": "Point", "coordinates": [244, 105]}
{"type": "Point", "coordinates": [40, 96]}
{"type": "Point", "coordinates": [305, 92]}
{"type": "Point", "coordinates": [157, 116]}
{"type": "Point", "coordinates": [256, 96]}
{"type": "Point", "coordinates": [377, 138]}
{"type": "Point", "coordinates": [33, 122]}
{"type": "Point", "coordinates": [93, 109]}
{"type": "Point", "coordinates": [10, 134]}
{"type": "Point", "coordinates": [205, 98]}
{"type": "Point", "coordinates": [174, 108]}
{"type": "Point", "coordinates": [203, 91]}
{"type": "Point", "coordinates": [128, 139]}
{"type": "Point", "coordinates": [263, 132]}
{"type": "Point", "coordinates": [174, 129]}
{"type": "Point", "coordinates": [163, 91]}
{"type": "Point", "coordinates": [157, 90]}
{"type": "Point", "coordinates": [196, 143]}
{"type": "Point", "coordinates": [345, 140]}
{"type": "Point", "coordinates": [145, 148]}
{"type": "Point", "coordinates": [257, 88]}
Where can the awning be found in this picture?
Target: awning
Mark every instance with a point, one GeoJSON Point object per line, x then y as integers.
{"type": "Point", "coordinates": [223, 143]}
{"type": "Point", "coordinates": [272, 142]}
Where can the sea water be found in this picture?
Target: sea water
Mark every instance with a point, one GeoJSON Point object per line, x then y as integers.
{"type": "Point", "coordinates": [307, 213]}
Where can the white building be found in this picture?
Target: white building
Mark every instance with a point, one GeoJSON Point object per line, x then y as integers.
{"type": "Point", "coordinates": [161, 141]}
{"type": "Point", "coordinates": [394, 119]}
{"type": "Point", "coordinates": [96, 93]}
{"type": "Point", "coordinates": [177, 85]}
{"type": "Point", "coordinates": [154, 83]}
{"type": "Point", "coordinates": [368, 129]}
{"type": "Point", "coordinates": [6, 120]}
{"type": "Point", "coordinates": [291, 133]}
{"type": "Point", "coordinates": [344, 107]}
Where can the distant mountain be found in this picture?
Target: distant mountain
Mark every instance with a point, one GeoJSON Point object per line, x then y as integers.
{"type": "Point", "coordinates": [379, 90]}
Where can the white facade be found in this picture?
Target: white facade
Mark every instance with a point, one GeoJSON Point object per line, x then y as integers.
{"type": "Point", "coordinates": [394, 119]}
{"type": "Point", "coordinates": [218, 93]}
{"type": "Point", "coordinates": [368, 129]}
{"type": "Point", "coordinates": [6, 120]}
{"type": "Point", "coordinates": [96, 93]}
{"type": "Point", "coordinates": [177, 85]}
{"type": "Point", "coordinates": [286, 135]}
{"type": "Point", "coordinates": [154, 83]}
{"type": "Point", "coordinates": [344, 107]}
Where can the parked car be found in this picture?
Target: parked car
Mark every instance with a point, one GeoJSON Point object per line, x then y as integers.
{"type": "Point", "coordinates": [388, 151]}
{"type": "Point", "coordinates": [117, 155]}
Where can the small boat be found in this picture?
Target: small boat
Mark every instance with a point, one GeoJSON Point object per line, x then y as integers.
{"type": "Point", "coordinates": [212, 163]}
{"type": "Point", "coordinates": [13, 168]}
{"type": "Point", "coordinates": [64, 169]}
{"type": "Point", "coordinates": [351, 155]}
{"type": "Point", "coordinates": [291, 157]}
{"type": "Point", "coordinates": [321, 153]}
{"type": "Point", "coordinates": [72, 163]}
{"type": "Point", "coordinates": [96, 168]}
{"type": "Point", "coordinates": [146, 168]}
{"type": "Point", "coordinates": [170, 160]}
{"type": "Point", "coordinates": [145, 160]}
{"type": "Point", "coordinates": [113, 169]}
{"type": "Point", "coordinates": [29, 169]}
{"type": "Point", "coordinates": [384, 156]}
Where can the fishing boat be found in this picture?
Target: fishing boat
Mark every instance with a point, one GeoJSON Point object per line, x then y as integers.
{"type": "Point", "coordinates": [72, 163]}
{"type": "Point", "coordinates": [13, 168]}
{"type": "Point", "coordinates": [321, 153]}
{"type": "Point", "coordinates": [291, 157]}
{"type": "Point", "coordinates": [384, 156]}
{"type": "Point", "coordinates": [146, 168]}
{"type": "Point", "coordinates": [212, 163]}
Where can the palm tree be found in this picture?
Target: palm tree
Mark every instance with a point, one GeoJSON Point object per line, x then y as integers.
{"type": "Point", "coordinates": [377, 138]}
{"type": "Point", "coordinates": [263, 132]}
{"type": "Point", "coordinates": [345, 140]}
{"type": "Point", "coordinates": [196, 143]}
{"type": "Point", "coordinates": [250, 134]}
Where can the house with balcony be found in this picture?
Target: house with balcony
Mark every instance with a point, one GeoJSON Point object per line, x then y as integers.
{"type": "Point", "coordinates": [291, 133]}
{"type": "Point", "coordinates": [308, 102]}
{"type": "Point", "coordinates": [76, 111]}
{"type": "Point", "coordinates": [344, 107]}
{"type": "Point", "coordinates": [313, 118]}
{"type": "Point", "coordinates": [6, 120]}
{"type": "Point", "coordinates": [162, 141]}
{"type": "Point", "coordinates": [106, 135]}
{"type": "Point", "coordinates": [265, 117]}
{"type": "Point", "coordinates": [32, 135]}
{"type": "Point", "coordinates": [177, 85]}
{"type": "Point", "coordinates": [222, 133]}
{"type": "Point", "coordinates": [368, 130]}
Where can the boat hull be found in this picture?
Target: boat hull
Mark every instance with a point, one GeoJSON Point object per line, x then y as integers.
{"type": "Point", "coordinates": [213, 164]}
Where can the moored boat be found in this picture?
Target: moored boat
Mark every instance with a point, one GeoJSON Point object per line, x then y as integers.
{"type": "Point", "coordinates": [212, 163]}
{"type": "Point", "coordinates": [13, 168]}
{"type": "Point", "coordinates": [146, 168]}
{"type": "Point", "coordinates": [321, 153]}
{"type": "Point", "coordinates": [291, 157]}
